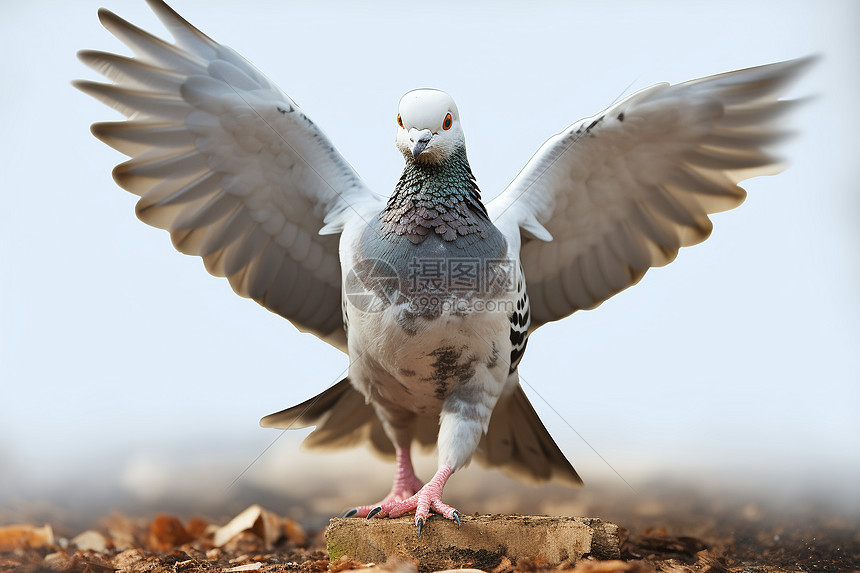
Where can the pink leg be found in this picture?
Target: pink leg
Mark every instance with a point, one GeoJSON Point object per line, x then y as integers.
{"type": "Point", "coordinates": [405, 484]}
{"type": "Point", "coordinates": [427, 498]}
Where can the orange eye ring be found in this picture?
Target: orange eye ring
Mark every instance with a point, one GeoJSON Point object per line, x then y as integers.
{"type": "Point", "coordinates": [449, 121]}
{"type": "Point", "coordinates": [399, 120]}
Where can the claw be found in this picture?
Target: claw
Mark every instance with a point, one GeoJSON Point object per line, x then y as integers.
{"type": "Point", "coordinates": [351, 512]}
{"type": "Point", "coordinates": [456, 517]}
{"type": "Point", "coordinates": [374, 511]}
{"type": "Point", "coordinates": [420, 523]}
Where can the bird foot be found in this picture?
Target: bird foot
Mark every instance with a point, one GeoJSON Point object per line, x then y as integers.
{"type": "Point", "coordinates": [427, 498]}
{"type": "Point", "coordinates": [399, 492]}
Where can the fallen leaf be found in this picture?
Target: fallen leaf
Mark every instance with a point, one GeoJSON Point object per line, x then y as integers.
{"type": "Point", "coordinates": [295, 532]}
{"type": "Point", "coordinates": [669, 544]}
{"type": "Point", "coordinates": [245, 567]}
{"type": "Point", "coordinates": [166, 532]}
{"type": "Point", "coordinates": [399, 564]}
{"type": "Point", "coordinates": [57, 561]}
{"type": "Point", "coordinates": [90, 540]}
{"type": "Point", "coordinates": [25, 537]}
{"type": "Point", "coordinates": [269, 526]}
{"type": "Point", "coordinates": [611, 566]}
{"type": "Point", "coordinates": [504, 566]}
{"type": "Point", "coordinates": [344, 563]}
{"type": "Point", "coordinates": [213, 554]}
{"type": "Point", "coordinates": [197, 527]}
{"type": "Point", "coordinates": [122, 531]}
{"type": "Point", "coordinates": [80, 562]}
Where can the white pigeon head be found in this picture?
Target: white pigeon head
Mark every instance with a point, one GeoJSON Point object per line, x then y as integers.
{"type": "Point", "coordinates": [428, 126]}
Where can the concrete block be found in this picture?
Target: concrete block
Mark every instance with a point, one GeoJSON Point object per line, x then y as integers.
{"type": "Point", "coordinates": [481, 542]}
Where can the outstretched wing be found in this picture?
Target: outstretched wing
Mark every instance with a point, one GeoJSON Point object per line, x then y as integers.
{"type": "Point", "coordinates": [231, 167]}
{"type": "Point", "coordinates": [623, 191]}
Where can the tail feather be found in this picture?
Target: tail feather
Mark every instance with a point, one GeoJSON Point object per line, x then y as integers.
{"type": "Point", "coordinates": [343, 419]}
{"type": "Point", "coordinates": [309, 412]}
{"type": "Point", "coordinates": [516, 442]}
{"type": "Point", "coordinates": [519, 444]}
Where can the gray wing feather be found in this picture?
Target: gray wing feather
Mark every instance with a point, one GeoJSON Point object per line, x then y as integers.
{"type": "Point", "coordinates": [231, 167]}
{"type": "Point", "coordinates": [621, 192]}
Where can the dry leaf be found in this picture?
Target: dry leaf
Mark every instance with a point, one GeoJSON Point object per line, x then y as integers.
{"type": "Point", "coordinates": [246, 567]}
{"type": "Point", "coordinates": [344, 563]}
{"type": "Point", "coordinates": [592, 566]}
{"type": "Point", "coordinates": [123, 532]}
{"type": "Point", "coordinates": [90, 541]}
{"type": "Point", "coordinates": [214, 554]}
{"type": "Point", "coordinates": [78, 563]}
{"type": "Point", "coordinates": [25, 536]}
{"type": "Point", "coordinates": [504, 566]}
{"type": "Point", "coordinates": [663, 543]}
{"type": "Point", "coordinates": [58, 561]}
{"type": "Point", "coordinates": [166, 532]}
{"type": "Point", "coordinates": [128, 558]}
{"type": "Point", "coordinates": [269, 526]}
{"type": "Point", "coordinates": [197, 527]}
{"type": "Point", "coordinates": [245, 542]}
{"type": "Point", "coordinates": [295, 532]}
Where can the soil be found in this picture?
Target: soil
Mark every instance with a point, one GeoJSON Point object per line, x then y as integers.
{"type": "Point", "coordinates": [670, 529]}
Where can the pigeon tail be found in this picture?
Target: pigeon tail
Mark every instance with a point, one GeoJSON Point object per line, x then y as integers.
{"type": "Point", "coordinates": [519, 444]}
{"type": "Point", "coordinates": [343, 420]}
{"type": "Point", "coordinates": [516, 442]}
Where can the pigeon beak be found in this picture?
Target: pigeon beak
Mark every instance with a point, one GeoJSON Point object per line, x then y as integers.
{"type": "Point", "coordinates": [419, 140]}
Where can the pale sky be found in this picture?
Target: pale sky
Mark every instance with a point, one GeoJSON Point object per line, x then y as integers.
{"type": "Point", "coordinates": [741, 358]}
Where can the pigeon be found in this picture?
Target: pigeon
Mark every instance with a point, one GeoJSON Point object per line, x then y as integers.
{"type": "Point", "coordinates": [431, 292]}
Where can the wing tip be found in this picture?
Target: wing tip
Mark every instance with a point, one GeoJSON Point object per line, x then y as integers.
{"type": "Point", "coordinates": [100, 131]}
{"type": "Point", "coordinates": [82, 85]}
{"type": "Point", "coordinates": [108, 18]}
{"type": "Point", "coordinates": [131, 182]}
{"type": "Point", "coordinates": [283, 420]}
{"type": "Point", "coordinates": [86, 56]}
{"type": "Point", "coordinates": [805, 62]}
{"type": "Point", "coordinates": [791, 70]}
{"type": "Point", "coordinates": [269, 421]}
{"type": "Point", "coordinates": [173, 20]}
{"type": "Point", "coordinates": [93, 89]}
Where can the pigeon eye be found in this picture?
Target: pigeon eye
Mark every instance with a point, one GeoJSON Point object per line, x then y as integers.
{"type": "Point", "coordinates": [399, 120]}
{"type": "Point", "coordinates": [446, 125]}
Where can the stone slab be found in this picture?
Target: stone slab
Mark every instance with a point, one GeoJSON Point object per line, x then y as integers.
{"type": "Point", "coordinates": [482, 541]}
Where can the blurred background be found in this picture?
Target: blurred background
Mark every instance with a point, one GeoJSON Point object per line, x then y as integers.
{"type": "Point", "coordinates": [131, 379]}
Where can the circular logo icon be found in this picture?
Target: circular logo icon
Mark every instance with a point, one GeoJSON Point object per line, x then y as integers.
{"type": "Point", "coordinates": [372, 285]}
